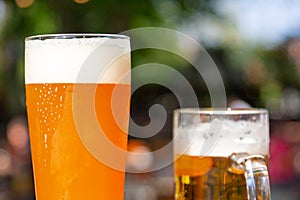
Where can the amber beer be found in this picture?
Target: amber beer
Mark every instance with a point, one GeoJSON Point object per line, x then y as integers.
{"type": "Point", "coordinates": [64, 166]}
{"type": "Point", "coordinates": [209, 171]}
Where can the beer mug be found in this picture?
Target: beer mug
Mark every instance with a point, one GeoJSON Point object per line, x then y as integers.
{"type": "Point", "coordinates": [221, 154]}
{"type": "Point", "coordinates": [77, 98]}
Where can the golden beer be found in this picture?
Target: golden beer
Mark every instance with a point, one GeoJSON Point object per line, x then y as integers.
{"type": "Point", "coordinates": [64, 167]}
{"type": "Point", "coordinates": [214, 173]}
{"type": "Point", "coordinates": [208, 178]}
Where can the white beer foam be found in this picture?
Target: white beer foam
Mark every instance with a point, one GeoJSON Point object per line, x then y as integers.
{"type": "Point", "coordinates": [80, 60]}
{"type": "Point", "coordinates": [222, 138]}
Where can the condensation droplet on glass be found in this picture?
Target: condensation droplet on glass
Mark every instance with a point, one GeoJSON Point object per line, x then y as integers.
{"type": "Point", "coordinates": [45, 162]}
{"type": "Point", "coordinates": [45, 137]}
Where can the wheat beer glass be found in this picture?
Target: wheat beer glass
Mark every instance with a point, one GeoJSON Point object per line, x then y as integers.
{"type": "Point", "coordinates": [77, 98]}
{"type": "Point", "coordinates": [221, 154]}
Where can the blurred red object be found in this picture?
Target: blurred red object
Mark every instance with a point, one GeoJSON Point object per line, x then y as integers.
{"type": "Point", "coordinates": [281, 163]}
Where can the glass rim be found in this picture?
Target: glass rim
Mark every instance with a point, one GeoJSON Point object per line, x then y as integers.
{"type": "Point", "coordinates": [76, 35]}
{"type": "Point", "coordinates": [221, 111]}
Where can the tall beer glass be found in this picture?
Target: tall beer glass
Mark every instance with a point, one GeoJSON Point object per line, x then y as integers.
{"type": "Point", "coordinates": [221, 154]}
{"type": "Point", "coordinates": [77, 98]}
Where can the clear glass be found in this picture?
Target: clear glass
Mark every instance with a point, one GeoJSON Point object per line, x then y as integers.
{"type": "Point", "coordinates": [221, 154]}
{"type": "Point", "coordinates": [72, 83]}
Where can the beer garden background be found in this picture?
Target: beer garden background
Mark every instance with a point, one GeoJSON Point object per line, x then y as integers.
{"type": "Point", "coordinates": [255, 44]}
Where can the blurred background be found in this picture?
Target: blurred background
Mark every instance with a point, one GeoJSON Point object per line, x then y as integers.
{"type": "Point", "coordinates": [255, 44]}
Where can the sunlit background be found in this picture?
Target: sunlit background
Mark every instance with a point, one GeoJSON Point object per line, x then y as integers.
{"type": "Point", "coordinates": [255, 44]}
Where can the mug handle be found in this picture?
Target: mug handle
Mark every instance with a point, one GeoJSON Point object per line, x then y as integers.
{"type": "Point", "coordinates": [256, 174]}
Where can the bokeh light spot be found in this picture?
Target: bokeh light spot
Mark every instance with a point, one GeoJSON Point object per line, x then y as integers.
{"type": "Point", "coordinates": [24, 3]}
{"type": "Point", "coordinates": [5, 161]}
{"type": "Point", "coordinates": [81, 1]}
{"type": "Point", "coordinates": [136, 161]}
{"type": "Point", "coordinates": [17, 133]}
